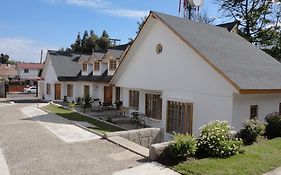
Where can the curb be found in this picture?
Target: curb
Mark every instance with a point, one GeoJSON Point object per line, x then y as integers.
{"type": "Point", "coordinates": [89, 116]}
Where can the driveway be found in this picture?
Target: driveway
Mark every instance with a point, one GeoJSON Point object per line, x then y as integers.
{"type": "Point", "coordinates": [32, 142]}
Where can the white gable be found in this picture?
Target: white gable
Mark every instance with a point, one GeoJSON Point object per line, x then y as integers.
{"type": "Point", "coordinates": [48, 72]}
{"type": "Point", "coordinates": [178, 67]}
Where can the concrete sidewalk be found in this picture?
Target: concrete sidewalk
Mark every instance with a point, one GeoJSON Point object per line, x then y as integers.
{"type": "Point", "coordinates": [3, 165]}
{"type": "Point", "coordinates": [276, 171]}
{"type": "Point", "coordinates": [59, 126]}
{"type": "Point", "coordinates": [147, 169]}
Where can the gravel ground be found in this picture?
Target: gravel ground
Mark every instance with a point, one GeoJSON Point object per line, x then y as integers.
{"type": "Point", "coordinates": [30, 148]}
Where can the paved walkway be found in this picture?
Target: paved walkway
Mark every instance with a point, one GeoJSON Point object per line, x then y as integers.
{"type": "Point", "coordinates": [147, 169]}
{"type": "Point", "coordinates": [64, 130]}
{"type": "Point", "coordinates": [277, 171]}
{"type": "Point", "coordinates": [36, 145]}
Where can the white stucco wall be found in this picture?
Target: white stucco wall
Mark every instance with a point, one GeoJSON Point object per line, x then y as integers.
{"type": "Point", "coordinates": [178, 72]}
{"type": "Point", "coordinates": [267, 103]}
{"type": "Point", "coordinates": [50, 77]}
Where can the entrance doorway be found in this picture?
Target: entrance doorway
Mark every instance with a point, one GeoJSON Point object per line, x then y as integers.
{"type": "Point", "coordinates": [108, 94]}
{"type": "Point", "coordinates": [57, 91]}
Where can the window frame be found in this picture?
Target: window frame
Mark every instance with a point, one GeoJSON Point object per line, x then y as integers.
{"type": "Point", "coordinates": [84, 67]}
{"type": "Point", "coordinates": [48, 88]}
{"type": "Point", "coordinates": [96, 66]}
{"type": "Point", "coordinates": [112, 65]}
{"type": "Point", "coordinates": [153, 106]}
{"type": "Point", "coordinates": [254, 111]}
{"type": "Point", "coordinates": [117, 93]}
{"type": "Point", "coordinates": [185, 116]}
{"type": "Point", "coordinates": [134, 99]}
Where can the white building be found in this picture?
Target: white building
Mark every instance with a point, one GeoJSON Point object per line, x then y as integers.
{"type": "Point", "coordinates": [29, 71]}
{"type": "Point", "coordinates": [75, 75]}
{"type": "Point", "coordinates": [183, 74]}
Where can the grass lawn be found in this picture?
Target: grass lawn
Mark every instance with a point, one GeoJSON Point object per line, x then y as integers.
{"type": "Point", "coordinates": [257, 159]}
{"type": "Point", "coordinates": [70, 115]}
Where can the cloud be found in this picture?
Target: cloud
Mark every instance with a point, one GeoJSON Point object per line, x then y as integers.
{"type": "Point", "coordinates": [22, 49]}
{"type": "Point", "coordinates": [127, 13]}
{"type": "Point", "coordinates": [103, 6]}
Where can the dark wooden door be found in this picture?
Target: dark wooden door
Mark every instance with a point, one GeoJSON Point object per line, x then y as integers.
{"type": "Point", "coordinates": [108, 94]}
{"type": "Point", "coordinates": [57, 91]}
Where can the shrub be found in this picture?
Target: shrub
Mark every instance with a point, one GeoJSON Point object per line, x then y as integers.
{"type": "Point", "coordinates": [216, 140]}
{"type": "Point", "coordinates": [273, 127]}
{"type": "Point", "coordinates": [182, 146]}
{"type": "Point", "coordinates": [71, 105]}
{"type": "Point", "coordinates": [87, 102]}
{"type": "Point", "coordinates": [252, 129]}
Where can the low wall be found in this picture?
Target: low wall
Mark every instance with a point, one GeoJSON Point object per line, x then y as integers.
{"type": "Point", "coordinates": [144, 137]}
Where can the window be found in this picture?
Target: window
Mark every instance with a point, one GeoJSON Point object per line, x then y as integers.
{"type": "Point", "coordinates": [112, 65]}
{"type": "Point", "coordinates": [96, 66]}
{"type": "Point", "coordinates": [86, 90]}
{"type": "Point", "coordinates": [253, 111]}
{"type": "Point", "coordinates": [26, 70]}
{"type": "Point", "coordinates": [48, 89]}
{"type": "Point", "coordinates": [134, 99]}
{"type": "Point", "coordinates": [159, 48]}
{"type": "Point", "coordinates": [117, 93]}
{"type": "Point", "coordinates": [84, 67]}
{"type": "Point", "coordinates": [69, 90]}
{"type": "Point", "coordinates": [153, 106]}
{"type": "Point", "coordinates": [179, 117]}
{"type": "Point", "coordinates": [280, 108]}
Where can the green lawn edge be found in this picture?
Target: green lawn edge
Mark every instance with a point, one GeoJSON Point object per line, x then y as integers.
{"type": "Point", "coordinates": [102, 127]}
{"type": "Point", "coordinates": [257, 159]}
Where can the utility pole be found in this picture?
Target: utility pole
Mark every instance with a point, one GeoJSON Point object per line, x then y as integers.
{"type": "Point", "coordinates": [114, 40]}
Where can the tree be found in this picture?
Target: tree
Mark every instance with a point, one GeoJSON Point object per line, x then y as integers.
{"type": "Point", "coordinates": [4, 58]}
{"type": "Point", "coordinates": [140, 24]}
{"type": "Point", "coordinates": [76, 47]}
{"type": "Point", "coordinates": [104, 42]}
{"type": "Point", "coordinates": [90, 42]}
{"type": "Point", "coordinates": [204, 17]}
{"type": "Point", "coordinates": [258, 19]}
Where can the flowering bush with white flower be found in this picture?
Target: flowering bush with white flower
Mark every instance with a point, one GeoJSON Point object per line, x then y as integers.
{"type": "Point", "coordinates": [216, 141]}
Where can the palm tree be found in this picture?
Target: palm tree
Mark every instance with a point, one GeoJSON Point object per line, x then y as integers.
{"type": "Point", "coordinates": [87, 102]}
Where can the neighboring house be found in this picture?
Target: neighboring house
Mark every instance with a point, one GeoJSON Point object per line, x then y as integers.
{"type": "Point", "coordinates": [7, 71]}
{"type": "Point", "coordinates": [183, 74]}
{"type": "Point", "coordinates": [230, 26]}
{"type": "Point", "coordinates": [29, 72]}
{"type": "Point", "coordinates": [77, 75]}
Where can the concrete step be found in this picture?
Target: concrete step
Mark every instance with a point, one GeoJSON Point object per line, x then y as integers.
{"type": "Point", "coordinates": [143, 151]}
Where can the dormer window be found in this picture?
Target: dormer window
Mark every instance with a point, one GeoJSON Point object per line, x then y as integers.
{"type": "Point", "coordinates": [84, 67]}
{"type": "Point", "coordinates": [96, 66]}
{"type": "Point", "coordinates": [112, 65]}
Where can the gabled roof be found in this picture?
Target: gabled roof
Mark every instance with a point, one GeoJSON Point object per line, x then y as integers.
{"type": "Point", "coordinates": [65, 64]}
{"type": "Point", "coordinates": [67, 67]}
{"type": "Point", "coordinates": [246, 67]}
{"type": "Point", "coordinates": [230, 25]}
{"type": "Point", "coordinates": [29, 66]}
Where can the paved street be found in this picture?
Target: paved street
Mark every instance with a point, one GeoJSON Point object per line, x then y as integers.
{"type": "Point", "coordinates": [33, 142]}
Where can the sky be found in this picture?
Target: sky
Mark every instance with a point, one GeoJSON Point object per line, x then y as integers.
{"type": "Point", "coordinates": [29, 26]}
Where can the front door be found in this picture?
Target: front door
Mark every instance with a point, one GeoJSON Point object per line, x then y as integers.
{"type": "Point", "coordinates": [108, 94]}
{"type": "Point", "coordinates": [57, 91]}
